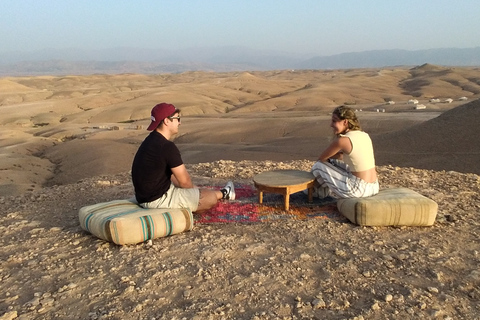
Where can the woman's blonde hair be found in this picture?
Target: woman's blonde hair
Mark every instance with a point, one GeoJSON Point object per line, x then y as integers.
{"type": "Point", "coordinates": [346, 113]}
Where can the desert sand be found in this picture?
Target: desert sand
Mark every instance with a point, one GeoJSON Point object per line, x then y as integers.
{"type": "Point", "coordinates": [69, 141]}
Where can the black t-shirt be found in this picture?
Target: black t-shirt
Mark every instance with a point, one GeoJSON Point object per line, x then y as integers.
{"type": "Point", "coordinates": [151, 168]}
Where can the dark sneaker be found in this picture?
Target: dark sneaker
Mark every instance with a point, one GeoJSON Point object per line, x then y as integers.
{"type": "Point", "coordinates": [230, 191]}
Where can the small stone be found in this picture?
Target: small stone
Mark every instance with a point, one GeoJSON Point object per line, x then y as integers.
{"type": "Point", "coordinates": [129, 289]}
{"type": "Point", "coordinates": [47, 301]}
{"type": "Point", "coordinates": [34, 302]}
{"type": "Point", "coordinates": [305, 256]}
{"type": "Point", "coordinates": [318, 303]}
{"type": "Point", "coordinates": [399, 298]}
{"type": "Point", "coordinates": [9, 315]}
{"type": "Point", "coordinates": [432, 290]}
{"type": "Point", "coordinates": [437, 313]}
{"type": "Point", "coordinates": [42, 310]}
{"type": "Point", "coordinates": [71, 285]}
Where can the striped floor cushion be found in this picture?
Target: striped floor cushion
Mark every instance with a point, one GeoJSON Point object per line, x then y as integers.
{"type": "Point", "coordinates": [125, 222]}
{"type": "Point", "coordinates": [390, 207]}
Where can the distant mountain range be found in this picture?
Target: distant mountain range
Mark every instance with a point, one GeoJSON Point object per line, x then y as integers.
{"type": "Point", "coordinates": [220, 59]}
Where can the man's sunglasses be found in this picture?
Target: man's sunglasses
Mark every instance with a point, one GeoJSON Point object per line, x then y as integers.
{"type": "Point", "coordinates": [171, 118]}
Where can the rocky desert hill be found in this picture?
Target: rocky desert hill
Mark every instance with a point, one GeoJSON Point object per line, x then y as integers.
{"type": "Point", "coordinates": [447, 142]}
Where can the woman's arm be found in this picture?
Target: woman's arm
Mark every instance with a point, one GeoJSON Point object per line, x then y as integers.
{"type": "Point", "coordinates": [336, 149]}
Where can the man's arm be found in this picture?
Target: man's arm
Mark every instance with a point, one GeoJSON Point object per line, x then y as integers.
{"type": "Point", "coordinates": [181, 177]}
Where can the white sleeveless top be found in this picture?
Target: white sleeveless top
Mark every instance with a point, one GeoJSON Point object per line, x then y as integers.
{"type": "Point", "coordinates": [361, 157]}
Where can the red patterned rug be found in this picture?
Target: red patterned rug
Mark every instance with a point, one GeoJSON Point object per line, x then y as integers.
{"type": "Point", "coordinates": [246, 209]}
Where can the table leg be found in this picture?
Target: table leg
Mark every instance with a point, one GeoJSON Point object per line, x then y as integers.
{"type": "Point", "coordinates": [310, 194]}
{"type": "Point", "coordinates": [287, 201]}
{"type": "Point", "coordinates": [260, 196]}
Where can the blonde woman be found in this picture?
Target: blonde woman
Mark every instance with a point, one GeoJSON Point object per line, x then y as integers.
{"type": "Point", "coordinates": [347, 166]}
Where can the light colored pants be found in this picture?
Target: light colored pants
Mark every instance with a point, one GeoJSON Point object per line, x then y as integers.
{"type": "Point", "coordinates": [337, 177]}
{"type": "Point", "coordinates": [176, 198]}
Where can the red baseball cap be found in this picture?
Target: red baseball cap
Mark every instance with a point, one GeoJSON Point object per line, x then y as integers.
{"type": "Point", "coordinates": [160, 112]}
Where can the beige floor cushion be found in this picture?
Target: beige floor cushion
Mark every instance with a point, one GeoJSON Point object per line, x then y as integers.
{"type": "Point", "coordinates": [125, 222]}
{"type": "Point", "coordinates": [390, 207]}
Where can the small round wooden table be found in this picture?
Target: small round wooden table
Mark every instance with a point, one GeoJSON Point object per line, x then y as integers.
{"type": "Point", "coordinates": [284, 182]}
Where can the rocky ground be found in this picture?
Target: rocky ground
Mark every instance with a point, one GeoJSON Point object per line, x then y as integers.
{"type": "Point", "coordinates": [315, 269]}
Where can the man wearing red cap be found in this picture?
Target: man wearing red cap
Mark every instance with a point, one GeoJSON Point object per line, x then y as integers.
{"type": "Point", "coordinates": [159, 175]}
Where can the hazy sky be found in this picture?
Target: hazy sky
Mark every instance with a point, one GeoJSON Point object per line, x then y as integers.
{"type": "Point", "coordinates": [321, 27]}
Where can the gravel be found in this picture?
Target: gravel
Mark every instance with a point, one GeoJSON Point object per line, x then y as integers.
{"type": "Point", "coordinates": [315, 269]}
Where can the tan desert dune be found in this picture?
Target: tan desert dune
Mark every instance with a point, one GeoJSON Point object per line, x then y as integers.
{"type": "Point", "coordinates": [68, 142]}
{"type": "Point", "coordinates": [59, 130]}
